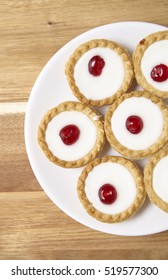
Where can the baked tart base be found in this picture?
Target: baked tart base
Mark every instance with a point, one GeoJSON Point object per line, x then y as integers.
{"type": "Point", "coordinates": [84, 48]}
{"type": "Point", "coordinates": [138, 55]}
{"type": "Point", "coordinates": [136, 153]}
{"type": "Point", "coordinates": [138, 199]}
{"type": "Point", "coordinates": [149, 182]}
{"type": "Point", "coordinates": [95, 119]}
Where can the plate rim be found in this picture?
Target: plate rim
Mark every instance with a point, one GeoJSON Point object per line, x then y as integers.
{"type": "Point", "coordinates": [28, 109]}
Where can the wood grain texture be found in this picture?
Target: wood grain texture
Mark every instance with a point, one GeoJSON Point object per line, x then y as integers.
{"type": "Point", "coordinates": [36, 228]}
{"type": "Point", "coordinates": [15, 171]}
{"type": "Point", "coordinates": [33, 30]}
{"type": "Point", "coordinates": [31, 226]}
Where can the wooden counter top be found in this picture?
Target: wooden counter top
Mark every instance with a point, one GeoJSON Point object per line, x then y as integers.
{"type": "Point", "coordinates": [31, 226]}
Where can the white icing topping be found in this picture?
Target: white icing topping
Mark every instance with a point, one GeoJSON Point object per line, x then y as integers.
{"type": "Point", "coordinates": [155, 54]}
{"type": "Point", "coordinates": [151, 115]}
{"type": "Point", "coordinates": [160, 178]}
{"type": "Point", "coordinates": [110, 80]}
{"type": "Point", "coordinates": [85, 143]}
{"type": "Point", "coordinates": [118, 176]}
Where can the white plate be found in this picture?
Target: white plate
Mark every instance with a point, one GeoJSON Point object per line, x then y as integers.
{"type": "Point", "coordinates": [50, 89]}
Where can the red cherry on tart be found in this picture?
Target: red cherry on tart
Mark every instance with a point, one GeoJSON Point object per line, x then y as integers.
{"type": "Point", "coordinates": [69, 134]}
{"type": "Point", "coordinates": [159, 73]}
{"type": "Point", "coordinates": [107, 194]}
{"type": "Point", "coordinates": [134, 124]}
{"type": "Point", "coordinates": [95, 65]}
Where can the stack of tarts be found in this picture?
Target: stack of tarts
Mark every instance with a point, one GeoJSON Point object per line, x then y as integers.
{"type": "Point", "coordinates": [100, 72]}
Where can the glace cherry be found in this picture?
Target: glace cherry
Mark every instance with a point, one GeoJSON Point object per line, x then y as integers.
{"type": "Point", "coordinates": [69, 134]}
{"type": "Point", "coordinates": [107, 194]}
{"type": "Point", "coordinates": [95, 65]}
{"type": "Point", "coordinates": [134, 124]}
{"type": "Point", "coordinates": [159, 73]}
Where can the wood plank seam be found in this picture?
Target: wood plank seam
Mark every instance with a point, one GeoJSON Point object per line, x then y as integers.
{"type": "Point", "coordinates": [13, 107]}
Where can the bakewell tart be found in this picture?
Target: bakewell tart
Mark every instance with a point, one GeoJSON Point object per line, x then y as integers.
{"type": "Point", "coordinates": [111, 189]}
{"type": "Point", "coordinates": [156, 179]}
{"type": "Point", "coordinates": [71, 134]}
{"type": "Point", "coordinates": [150, 60]}
{"type": "Point", "coordinates": [99, 70]}
{"type": "Point", "coordinates": [136, 124]}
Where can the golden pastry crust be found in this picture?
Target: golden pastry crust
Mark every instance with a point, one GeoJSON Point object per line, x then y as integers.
{"type": "Point", "coordinates": [129, 153]}
{"type": "Point", "coordinates": [137, 57]}
{"type": "Point", "coordinates": [71, 106]}
{"type": "Point", "coordinates": [129, 73]}
{"type": "Point", "coordinates": [148, 179]}
{"type": "Point", "coordinates": [122, 216]}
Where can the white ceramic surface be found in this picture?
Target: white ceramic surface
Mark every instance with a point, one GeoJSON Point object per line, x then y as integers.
{"type": "Point", "coordinates": [50, 89]}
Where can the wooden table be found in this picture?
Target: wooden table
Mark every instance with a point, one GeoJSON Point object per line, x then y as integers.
{"type": "Point", "coordinates": [31, 226]}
